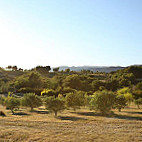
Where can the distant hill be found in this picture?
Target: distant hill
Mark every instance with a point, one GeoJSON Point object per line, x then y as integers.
{"type": "Point", "coordinates": [92, 68]}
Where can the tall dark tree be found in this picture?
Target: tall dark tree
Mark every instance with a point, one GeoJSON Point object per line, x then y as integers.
{"type": "Point", "coordinates": [14, 68]}
{"type": "Point", "coordinates": [56, 69]}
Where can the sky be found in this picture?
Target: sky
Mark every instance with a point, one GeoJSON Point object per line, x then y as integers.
{"type": "Point", "coordinates": [70, 32]}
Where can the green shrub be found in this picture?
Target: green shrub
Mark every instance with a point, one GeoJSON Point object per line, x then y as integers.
{"type": "Point", "coordinates": [126, 92]}
{"type": "Point", "coordinates": [138, 102]}
{"type": "Point", "coordinates": [12, 103]}
{"type": "Point", "coordinates": [120, 102]}
{"type": "Point", "coordinates": [54, 104]}
{"type": "Point", "coordinates": [102, 101]}
{"type": "Point", "coordinates": [49, 92]}
{"type": "Point", "coordinates": [76, 99]}
{"type": "Point", "coordinates": [31, 100]}
{"type": "Point", "coordinates": [2, 100]}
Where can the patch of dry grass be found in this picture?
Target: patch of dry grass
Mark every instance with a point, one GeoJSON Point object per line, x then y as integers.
{"type": "Point", "coordinates": [82, 125]}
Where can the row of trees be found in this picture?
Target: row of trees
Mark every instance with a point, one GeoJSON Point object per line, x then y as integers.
{"type": "Point", "coordinates": [125, 85]}
{"type": "Point", "coordinates": [103, 101]}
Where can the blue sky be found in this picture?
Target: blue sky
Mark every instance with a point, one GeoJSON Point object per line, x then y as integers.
{"type": "Point", "coordinates": [70, 32]}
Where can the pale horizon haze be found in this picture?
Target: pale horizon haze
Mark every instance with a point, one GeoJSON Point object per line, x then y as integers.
{"type": "Point", "coordinates": [70, 32]}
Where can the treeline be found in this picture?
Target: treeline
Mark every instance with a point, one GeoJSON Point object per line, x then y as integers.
{"type": "Point", "coordinates": [121, 87]}
{"type": "Point", "coordinates": [102, 101]}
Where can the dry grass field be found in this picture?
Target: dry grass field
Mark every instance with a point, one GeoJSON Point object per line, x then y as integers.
{"type": "Point", "coordinates": [80, 126]}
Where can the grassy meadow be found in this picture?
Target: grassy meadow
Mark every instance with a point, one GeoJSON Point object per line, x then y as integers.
{"type": "Point", "coordinates": [82, 125]}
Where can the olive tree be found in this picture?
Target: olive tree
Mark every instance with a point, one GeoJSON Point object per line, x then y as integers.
{"type": "Point", "coordinates": [126, 92]}
{"type": "Point", "coordinates": [54, 104]}
{"type": "Point", "coordinates": [138, 102]}
{"type": "Point", "coordinates": [102, 101]}
{"type": "Point", "coordinates": [120, 102]}
{"type": "Point", "coordinates": [31, 100]}
{"type": "Point", "coordinates": [76, 99]}
{"type": "Point", "coordinates": [11, 103]}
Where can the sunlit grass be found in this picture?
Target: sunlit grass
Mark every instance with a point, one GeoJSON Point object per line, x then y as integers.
{"type": "Point", "coordinates": [80, 125]}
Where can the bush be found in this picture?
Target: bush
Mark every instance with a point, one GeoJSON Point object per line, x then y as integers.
{"type": "Point", "coordinates": [138, 102]}
{"type": "Point", "coordinates": [137, 94]}
{"type": "Point", "coordinates": [2, 100]}
{"type": "Point", "coordinates": [76, 99]}
{"type": "Point", "coordinates": [29, 90]}
{"type": "Point", "coordinates": [102, 101]}
{"type": "Point", "coordinates": [139, 86]}
{"type": "Point", "coordinates": [126, 92]}
{"type": "Point", "coordinates": [49, 92]}
{"type": "Point", "coordinates": [129, 97]}
{"type": "Point", "coordinates": [12, 103]}
{"type": "Point", "coordinates": [31, 100]}
{"type": "Point", "coordinates": [54, 104]}
{"type": "Point", "coordinates": [66, 90]}
{"type": "Point", "coordinates": [120, 102]}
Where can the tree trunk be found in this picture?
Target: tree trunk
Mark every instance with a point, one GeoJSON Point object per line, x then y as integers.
{"type": "Point", "coordinates": [32, 109]}
{"type": "Point", "coordinates": [12, 111]}
{"type": "Point", "coordinates": [55, 113]}
{"type": "Point", "coordinates": [119, 109]}
{"type": "Point", "coordinates": [138, 106]}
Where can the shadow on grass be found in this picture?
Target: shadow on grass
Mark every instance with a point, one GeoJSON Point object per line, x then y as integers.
{"type": "Point", "coordinates": [41, 108]}
{"type": "Point", "coordinates": [134, 112]}
{"type": "Point", "coordinates": [112, 115]}
{"type": "Point", "coordinates": [127, 117]}
{"type": "Point", "coordinates": [71, 118]}
{"type": "Point", "coordinates": [131, 107]}
{"type": "Point", "coordinates": [40, 112]}
{"type": "Point", "coordinates": [21, 113]}
{"type": "Point", "coordinates": [88, 113]}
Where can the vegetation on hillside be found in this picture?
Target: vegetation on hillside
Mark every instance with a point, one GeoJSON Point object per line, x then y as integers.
{"type": "Point", "coordinates": [100, 91]}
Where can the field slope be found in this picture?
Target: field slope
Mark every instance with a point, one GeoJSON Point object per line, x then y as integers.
{"type": "Point", "coordinates": [80, 126]}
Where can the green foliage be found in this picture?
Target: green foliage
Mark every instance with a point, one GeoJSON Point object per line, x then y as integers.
{"type": "Point", "coordinates": [14, 68]}
{"type": "Point", "coordinates": [54, 104]}
{"type": "Point", "coordinates": [47, 83]}
{"type": "Point", "coordinates": [138, 102]}
{"type": "Point", "coordinates": [2, 100]}
{"type": "Point", "coordinates": [126, 92]}
{"type": "Point", "coordinates": [67, 70]}
{"type": "Point", "coordinates": [137, 94]}
{"type": "Point", "coordinates": [124, 78]}
{"type": "Point", "coordinates": [12, 103]}
{"type": "Point", "coordinates": [49, 92]}
{"type": "Point", "coordinates": [30, 80]}
{"type": "Point", "coordinates": [76, 99]}
{"type": "Point", "coordinates": [29, 90]}
{"type": "Point", "coordinates": [31, 100]}
{"type": "Point", "coordinates": [102, 101]}
{"type": "Point", "coordinates": [120, 102]}
{"type": "Point", "coordinates": [66, 90]}
{"type": "Point", "coordinates": [35, 80]}
{"type": "Point", "coordinates": [21, 82]}
{"type": "Point", "coordinates": [136, 70]}
{"type": "Point", "coordinates": [56, 69]}
{"type": "Point", "coordinates": [72, 81]}
{"type": "Point", "coordinates": [96, 84]}
{"type": "Point", "coordinates": [112, 85]}
{"type": "Point", "coordinates": [88, 99]}
{"type": "Point", "coordinates": [4, 87]}
{"type": "Point", "coordinates": [139, 86]}
{"type": "Point", "coordinates": [123, 91]}
{"type": "Point", "coordinates": [129, 97]}
{"type": "Point", "coordinates": [43, 70]}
